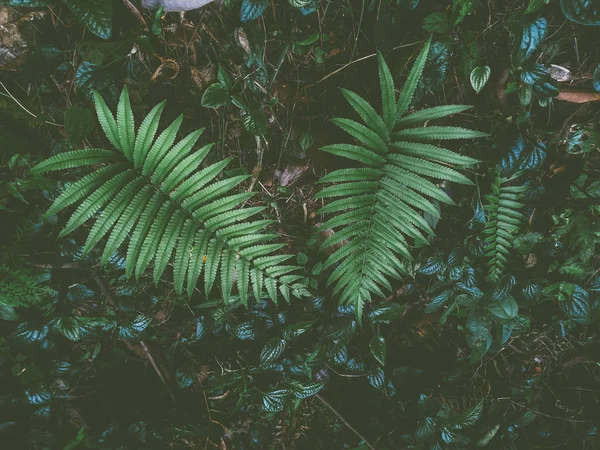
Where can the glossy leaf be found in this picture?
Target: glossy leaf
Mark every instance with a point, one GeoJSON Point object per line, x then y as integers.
{"type": "Point", "coordinates": [95, 15]}
{"type": "Point", "coordinates": [272, 350]}
{"type": "Point", "coordinates": [378, 349]}
{"type": "Point", "coordinates": [534, 32]}
{"type": "Point", "coordinates": [252, 9]}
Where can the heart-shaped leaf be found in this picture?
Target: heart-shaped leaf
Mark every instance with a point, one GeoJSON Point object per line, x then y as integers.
{"type": "Point", "coordinates": [214, 96]}
{"type": "Point", "coordinates": [479, 77]}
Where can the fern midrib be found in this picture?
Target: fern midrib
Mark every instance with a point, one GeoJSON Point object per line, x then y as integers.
{"type": "Point", "coordinates": [200, 223]}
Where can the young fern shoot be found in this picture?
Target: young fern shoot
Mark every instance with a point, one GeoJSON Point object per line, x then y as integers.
{"type": "Point", "coordinates": [378, 206]}
{"type": "Point", "coordinates": [154, 195]}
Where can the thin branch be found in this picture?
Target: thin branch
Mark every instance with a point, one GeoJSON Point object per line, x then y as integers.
{"type": "Point", "coordinates": [345, 422]}
{"type": "Point", "coordinates": [358, 60]}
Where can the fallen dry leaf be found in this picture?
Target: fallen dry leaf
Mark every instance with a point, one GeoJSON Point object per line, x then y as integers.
{"type": "Point", "coordinates": [578, 97]}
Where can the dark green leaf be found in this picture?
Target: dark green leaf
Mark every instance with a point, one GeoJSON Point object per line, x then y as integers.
{"type": "Point", "coordinates": [7, 312]}
{"type": "Point", "coordinates": [535, 5]}
{"type": "Point", "coordinates": [272, 350]}
{"type": "Point", "coordinates": [141, 322]}
{"type": "Point", "coordinates": [69, 328]}
{"type": "Point", "coordinates": [376, 378]}
{"type": "Point", "coordinates": [252, 9]}
{"type": "Point", "coordinates": [255, 123]}
{"type": "Point", "coordinates": [504, 309]}
{"type": "Point", "coordinates": [378, 349]}
{"type": "Point", "coordinates": [426, 428]}
{"type": "Point", "coordinates": [224, 78]}
{"type": "Point", "coordinates": [306, 141]}
{"type": "Point", "coordinates": [95, 15]}
{"type": "Point", "coordinates": [436, 23]}
{"type": "Point", "coordinates": [308, 390]}
{"type": "Point", "coordinates": [583, 12]}
{"type": "Point", "coordinates": [214, 96]}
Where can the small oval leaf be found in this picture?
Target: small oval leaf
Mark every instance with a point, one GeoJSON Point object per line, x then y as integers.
{"type": "Point", "coordinates": [378, 348]}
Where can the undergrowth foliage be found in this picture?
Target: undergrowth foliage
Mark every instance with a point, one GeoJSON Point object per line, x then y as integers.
{"type": "Point", "coordinates": [380, 204]}
{"type": "Point", "coordinates": [453, 299]}
{"type": "Point", "coordinates": [154, 195]}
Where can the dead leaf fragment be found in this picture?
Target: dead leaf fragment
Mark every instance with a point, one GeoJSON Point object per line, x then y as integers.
{"type": "Point", "coordinates": [578, 96]}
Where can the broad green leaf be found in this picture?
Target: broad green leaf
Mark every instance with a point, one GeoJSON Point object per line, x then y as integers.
{"type": "Point", "coordinates": [504, 309]}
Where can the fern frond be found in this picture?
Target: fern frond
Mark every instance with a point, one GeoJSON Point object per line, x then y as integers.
{"type": "Point", "coordinates": [504, 219]}
{"type": "Point", "coordinates": [153, 195]}
{"type": "Point", "coordinates": [425, 115]}
{"type": "Point", "coordinates": [77, 158]}
{"type": "Point", "coordinates": [378, 207]}
{"type": "Point", "coordinates": [408, 91]}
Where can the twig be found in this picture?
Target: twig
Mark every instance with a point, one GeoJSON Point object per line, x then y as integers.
{"type": "Point", "coordinates": [21, 105]}
{"type": "Point", "coordinates": [156, 368]}
{"type": "Point", "coordinates": [345, 422]}
{"type": "Point", "coordinates": [131, 7]}
{"type": "Point", "coordinates": [358, 60]}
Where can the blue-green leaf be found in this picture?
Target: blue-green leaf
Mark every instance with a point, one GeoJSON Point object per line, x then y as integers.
{"type": "Point", "coordinates": [252, 9]}
{"type": "Point", "coordinates": [534, 32]}
{"type": "Point", "coordinates": [272, 350]}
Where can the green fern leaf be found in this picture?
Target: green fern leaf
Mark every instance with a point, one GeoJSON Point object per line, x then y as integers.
{"type": "Point", "coordinates": [378, 208]}
{"type": "Point", "coordinates": [408, 91]}
{"type": "Point", "coordinates": [153, 196]}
